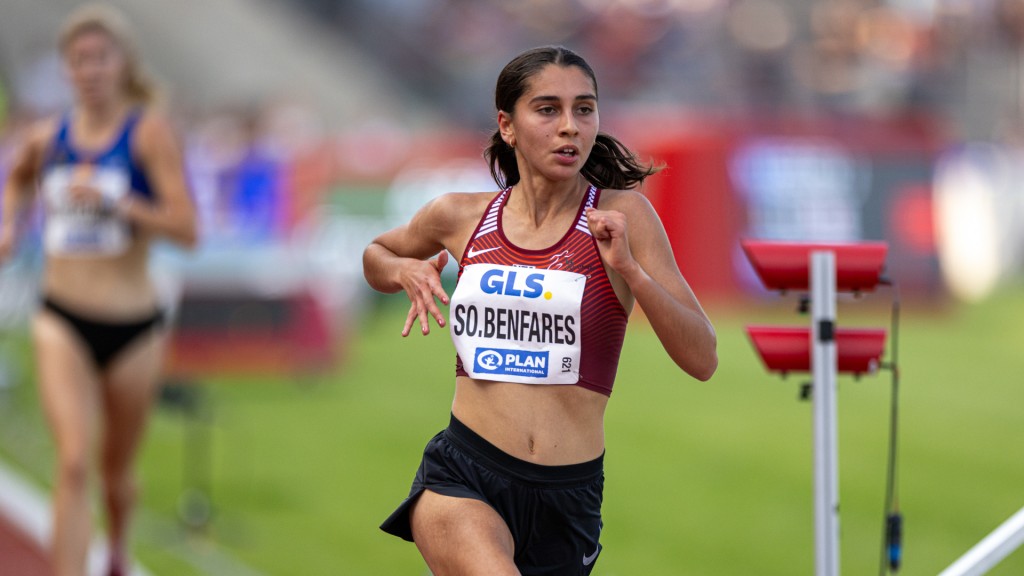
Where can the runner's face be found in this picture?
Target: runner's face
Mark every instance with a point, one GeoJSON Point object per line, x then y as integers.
{"type": "Point", "coordinates": [95, 66]}
{"type": "Point", "coordinates": [554, 124]}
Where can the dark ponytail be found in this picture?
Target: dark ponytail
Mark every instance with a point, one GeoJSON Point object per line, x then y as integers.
{"type": "Point", "coordinates": [610, 165]}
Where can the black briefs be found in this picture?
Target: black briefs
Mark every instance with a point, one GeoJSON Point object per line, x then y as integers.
{"type": "Point", "coordinates": [552, 512]}
{"type": "Point", "coordinates": [105, 339]}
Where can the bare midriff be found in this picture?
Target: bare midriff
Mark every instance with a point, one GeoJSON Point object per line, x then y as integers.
{"type": "Point", "coordinates": [551, 425]}
{"type": "Point", "coordinates": [111, 287]}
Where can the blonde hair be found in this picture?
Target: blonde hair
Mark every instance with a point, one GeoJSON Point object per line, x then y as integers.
{"type": "Point", "coordinates": [96, 17]}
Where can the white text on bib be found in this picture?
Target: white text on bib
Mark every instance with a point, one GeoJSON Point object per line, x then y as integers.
{"type": "Point", "coordinates": [73, 229]}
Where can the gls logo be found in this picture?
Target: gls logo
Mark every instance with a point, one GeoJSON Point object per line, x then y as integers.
{"type": "Point", "coordinates": [505, 283]}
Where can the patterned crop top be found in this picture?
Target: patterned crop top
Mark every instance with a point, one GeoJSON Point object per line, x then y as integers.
{"type": "Point", "coordinates": [547, 316]}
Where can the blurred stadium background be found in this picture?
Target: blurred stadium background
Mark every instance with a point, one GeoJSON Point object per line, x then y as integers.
{"type": "Point", "coordinates": [293, 414]}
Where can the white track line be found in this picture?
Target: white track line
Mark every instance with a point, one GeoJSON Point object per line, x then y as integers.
{"type": "Point", "coordinates": [28, 508]}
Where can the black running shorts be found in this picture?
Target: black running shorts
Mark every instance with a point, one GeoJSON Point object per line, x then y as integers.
{"type": "Point", "coordinates": [553, 512]}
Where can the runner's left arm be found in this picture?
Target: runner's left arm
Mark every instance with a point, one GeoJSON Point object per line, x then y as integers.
{"type": "Point", "coordinates": [633, 243]}
{"type": "Point", "coordinates": [173, 213]}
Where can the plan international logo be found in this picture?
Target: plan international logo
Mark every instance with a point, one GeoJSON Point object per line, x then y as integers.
{"type": "Point", "coordinates": [499, 361]}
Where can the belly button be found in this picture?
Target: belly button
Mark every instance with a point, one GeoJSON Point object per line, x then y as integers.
{"type": "Point", "coordinates": [532, 450]}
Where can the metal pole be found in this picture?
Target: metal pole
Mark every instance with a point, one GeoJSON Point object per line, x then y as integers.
{"type": "Point", "coordinates": [824, 362]}
{"type": "Point", "coordinates": [990, 551]}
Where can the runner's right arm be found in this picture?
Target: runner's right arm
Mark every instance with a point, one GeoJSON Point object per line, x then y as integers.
{"type": "Point", "coordinates": [20, 186]}
{"type": "Point", "coordinates": [397, 260]}
{"type": "Point", "coordinates": [400, 259]}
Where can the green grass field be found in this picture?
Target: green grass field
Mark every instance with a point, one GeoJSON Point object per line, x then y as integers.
{"type": "Point", "coordinates": [701, 478]}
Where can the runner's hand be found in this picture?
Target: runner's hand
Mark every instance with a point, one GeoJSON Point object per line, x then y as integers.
{"type": "Point", "coordinates": [422, 283]}
{"type": "Point", "coordinates": [86, 195]}
{"type": "Point", "coordinates": [610, 230]}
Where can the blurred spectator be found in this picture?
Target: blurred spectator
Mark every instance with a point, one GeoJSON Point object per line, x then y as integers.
{"type": "Point", "coordinates": [763, 33]}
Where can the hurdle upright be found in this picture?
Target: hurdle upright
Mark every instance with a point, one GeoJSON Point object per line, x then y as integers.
{"type": "Point", "coordinates": [823, 349]}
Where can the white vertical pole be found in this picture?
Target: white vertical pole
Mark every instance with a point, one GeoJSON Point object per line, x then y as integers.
{"type": "Point", "coordinates": [824, 365]}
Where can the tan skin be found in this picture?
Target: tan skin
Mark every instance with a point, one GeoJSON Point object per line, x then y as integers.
{"type": "Point", "coordinates": [87, 407]}
{"type": "Point", "coordinates": [548, 425]}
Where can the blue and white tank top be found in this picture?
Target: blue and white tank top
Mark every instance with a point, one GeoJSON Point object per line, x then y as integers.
{"type": "Point", "coordinates": [72, 229]}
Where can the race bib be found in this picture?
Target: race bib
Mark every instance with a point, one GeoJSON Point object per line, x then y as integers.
{"type": "Point", "coordinates": [514, 324]}
{"type": "Point", "coordinates": [85, 230]}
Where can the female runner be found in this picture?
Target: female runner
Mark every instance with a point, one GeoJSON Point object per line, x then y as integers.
{"type": "Point", "coordinates": [549, 270]}
{"type": "Point", "coordinates": [111, 178]}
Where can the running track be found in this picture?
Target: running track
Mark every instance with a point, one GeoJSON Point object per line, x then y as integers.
{"type": "Point", "coordinates": [22, 556]}
{"type": "Point", "coordinates": [24, 524]}
{"type": "Point", "coordinates": [25, 527]}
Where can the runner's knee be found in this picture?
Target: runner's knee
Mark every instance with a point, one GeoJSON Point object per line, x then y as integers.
{"type": "Point", "coordinates": [119, 484]}
{"type": "Point", "coordinates": [73, 471]}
